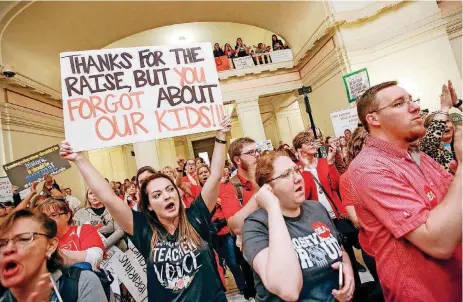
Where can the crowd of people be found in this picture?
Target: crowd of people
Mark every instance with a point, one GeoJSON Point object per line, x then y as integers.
{"type": "Point", "coordinates": [284, 222]}
{"type": "Point", "coordinates": [242, 50]}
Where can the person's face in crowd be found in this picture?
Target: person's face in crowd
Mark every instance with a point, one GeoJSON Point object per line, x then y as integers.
{"type": "Point", "coordinates": [248, 158]}
{"type": "Point", "coordinates": [337, 142]}
{"type": "Point", "coordinates": [260, 45]}
{"type": "Point", "coordinates": [198, 162]}
{"type": "Point", "coordinates": [227, 46]}
{"type": "Point", "coordinates": [239, 41]}
{"type": "Point", "coordinates": [308, 148]}
{"type": "Point", "coordinates": [163, 199]}
{"type": "Point", "coordinates": [68, 192]}
{"type": "Point", "coordinates": [347, 134]}
{"type": "Point", "coordinates": [343, 141]}
{"type": "Point", "coordinates": [112, 184]}
{"type": "Point", "coordinates": [216, 46]}
{"type": "Point", "coordinates": [118, 185]}
{"type": "Point", "coordinates": [9, 209]}
{"type": "Point", "coordinates": [132, 189]}
{"type": "Point", "coordinates": [169, 172]}
{"type": "Point", "coordinates": [203, 175]}
{"type": "Point", "coordinates": [61, 218]}
{"type": "Point", "coordinates": [274, 37]}
{"type": "Point", "coordinates": [23, 261]}
{"type": "Point", "coordinates": [47, 178]}
{"type": "Point", "coordinates": [397, 117]}
{"type": "Point", "coordinates": [190, 166]}
{"type": "Point", "coordinates": [448, 134]}
{"type": "Point", "coordinates": [143, 176]}
{"type": "Point", "coordinates": [126, 181]}
{"type": "Point", "coordinates": [3, 211]}
{"type": "Point", "coordinates": [226, 172]}
{"type": "Point", "coordinates": [93, 200]}
{"type": "Point", "coordinates": [289, 187]}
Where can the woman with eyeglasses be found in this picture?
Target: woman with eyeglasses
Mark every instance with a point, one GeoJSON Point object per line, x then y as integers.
{"type": "Point", "coordinates": [174, 241]}
{"type": "Point", "coordinates": [292, 244]}
{"type": "Point", "coordinates": [29, 260]}
{"type": "Point", "coordinates": [76, 243]}
{"type": "Point", "coordinates": [96, 214]}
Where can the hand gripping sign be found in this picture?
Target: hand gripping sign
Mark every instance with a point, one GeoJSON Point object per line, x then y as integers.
{"type": "Point", "coordinates": [120, 96]}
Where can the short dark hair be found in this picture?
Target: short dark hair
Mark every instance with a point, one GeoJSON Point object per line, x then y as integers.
{"type": "Point", "coordinates": [366, 103]}
{"type": "Point", "coordinates": [236, 148]}
{"type": "Point", "coordinates": [302, 138]}
{"type": "Point", "coordinates": [140, 171]}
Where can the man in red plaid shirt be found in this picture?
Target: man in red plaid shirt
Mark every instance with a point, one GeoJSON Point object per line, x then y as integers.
{"type": "Point", "coordinates": [409, 206]}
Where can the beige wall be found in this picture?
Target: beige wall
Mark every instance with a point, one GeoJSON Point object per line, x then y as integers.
{"type": "Point", "coordinates": [457, 53]}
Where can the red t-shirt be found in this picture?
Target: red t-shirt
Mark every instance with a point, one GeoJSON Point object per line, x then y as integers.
{"type": "Point", "coordinates": [231, 205]}
{"type": "Point", "coordinates": [195, 191]}
{"type": "Point", "coordinates": [348, 197]}
{"type": "Point", "coordinates": [88, 238]}
{"type": "Point", "coordinates": [395, 195]}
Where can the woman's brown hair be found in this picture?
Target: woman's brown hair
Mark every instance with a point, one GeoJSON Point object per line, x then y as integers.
{"type": "Point", "coordinates": [139, 172]}
{"type": "Point", "coordinates": [51, 204]}
{"type": "Point", "coordinates": [264, 168]}
{"type": "Point", "coordinates": [49, 226]}
{"type": "Point", "coordinates": [185, 229]}
{"type": "Point", "coordinates": [355, 144]}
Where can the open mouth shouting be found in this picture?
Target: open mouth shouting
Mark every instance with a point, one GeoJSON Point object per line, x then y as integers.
{"type": "Point", "coordinates": [10, 269]}
{"type": "Point", "coordinates": [170, 207]}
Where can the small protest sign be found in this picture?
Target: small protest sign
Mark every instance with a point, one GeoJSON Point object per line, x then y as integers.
{"type": "Point", "coordinates": [356, 84]}
{"type": "Point", "coordinates": [24, 171]}
{"type": "Point", "coordinates": [222, 63]}
{"type": "Point", "coordinates": [119, 96]}
{"type": "Point", "coordinates": [283, 55]}
{"type": "Point", "coordinates": [344, 119]}
{"type": "Point", "coordinates": [6, 190]}
{"type": "Point", "coordinates": [243, 62]}
{"type": "Point", "coordinates": [265, 145]}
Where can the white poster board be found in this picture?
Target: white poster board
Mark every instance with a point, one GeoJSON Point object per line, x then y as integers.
{"type": "Point", "coordinates": [356, 84]}
{"type": "Point", "coordinates": [130, 269]}
{"type": "Point", "coordinates": [344, 119]}
{"type": "Point", "coordinates": [6, 190]}
{"type": "Point", "coordinates": [205, 157]}
{"type": "Point", "coordinates": [283, 55]}
{"type": "Point", "coordinates": [265, 145]}
{"type": "Point", "coordinates": [243, 62]}
{"type": "Point", "coordinates": [121, 96]}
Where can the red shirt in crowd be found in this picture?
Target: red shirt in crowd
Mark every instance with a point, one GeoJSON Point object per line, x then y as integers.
{"type": "Point", "coordinates": [231, 206]}
{"type": "Point", "coordinates": [87, 238]}
{"type": "Point", "coordinates": [348, 197]}
{"type": "Point", "coordinates": [395, 195]}
{"type": "Point", "coordinates": [310, 186]}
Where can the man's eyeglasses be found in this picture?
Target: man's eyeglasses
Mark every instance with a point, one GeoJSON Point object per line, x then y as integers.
{"type": "Point", "coordinates": [21, 240]}
{"type": "Point", "coordinates": [288, 174]}
{"type": "Point", "coordinates": [252, 152]}
{"type": "Point", "coordinates": [399, 104]}
{"type": "Point", "coordinates": [56, 215]}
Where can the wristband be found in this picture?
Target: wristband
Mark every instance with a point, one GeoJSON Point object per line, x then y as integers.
{"type": "Point", "coordinates": [458, 104]}
{"type": "Point", "coordinates": [218, 140]}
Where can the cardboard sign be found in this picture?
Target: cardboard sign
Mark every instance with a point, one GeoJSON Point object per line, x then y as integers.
{"type": "Point", "coordinates": [356, 84]}
{"type": "Point", "coordinates": [120, 96]}
{"type": "Point", "coordinates": [265, 145]}
{"type": "Point", "coordinates": [24, 171]}
{"type": "Point", "coordinates": [283, 55]}
{"type": "Point", "coordinates": [6, 190]}
{"type": "Point", "coordinates": [243, 62]}
{"type": "Point", "coordinates": [344, 119]}
{"type": "Point", "coordinates": [130, 268]}
{"type": "Point", "coordinates": [222, 63]}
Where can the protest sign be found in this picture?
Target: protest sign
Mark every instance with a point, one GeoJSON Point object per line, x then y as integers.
{"type": "Point", "coordinates": [243, 62]}
{"type": "Point", "coordinates": [356, 84]}
{"type": "Point", "coordinates": [6, 190]}
{"type": "Point", "coordinates": [24, 171]}
{"type": "Point", "coordinates": [344, 119]}
{"type": "Point", "coordinates": [222, 63]}
{"type": "Point", "coordinates": [119, 96]}
{"type": "Point", "coordinates": [264, 145]}
{"type": "Point", "coordinates": [130, 269]}
{"type": "Point", "coordinates": [283, 55]}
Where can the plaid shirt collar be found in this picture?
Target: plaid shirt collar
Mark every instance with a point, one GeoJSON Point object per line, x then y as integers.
{"type": "Point", "coordinates": [390, 148]}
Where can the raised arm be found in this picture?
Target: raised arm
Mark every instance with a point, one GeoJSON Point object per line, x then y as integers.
{"type": "Point", "coordinates": [184, 186]}
{"type": "Point", "coordinates": [25, 203]}
{"type": "Point", "coordinates": [278, 265]}
{"type": "Point", "coordinates": [210, 190]}
{"type": "Point", "coordinates": [120, 211]}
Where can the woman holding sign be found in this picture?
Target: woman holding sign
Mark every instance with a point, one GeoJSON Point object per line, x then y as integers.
{"type": "Point", "coordinates": [173, 240]}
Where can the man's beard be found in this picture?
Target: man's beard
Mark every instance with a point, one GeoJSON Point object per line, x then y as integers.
{"type": "Point", "coordinates": [247, 167]}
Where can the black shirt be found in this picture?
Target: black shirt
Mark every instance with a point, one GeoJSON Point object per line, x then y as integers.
{"type": "Point", "coordinates": [315, 240]}
{"type": "Point", "coordinates": [178, 271]}
{"type": "Point", "coordinates": [99, 211]}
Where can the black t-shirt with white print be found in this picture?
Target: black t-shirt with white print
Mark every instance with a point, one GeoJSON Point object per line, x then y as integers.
{"type": "Point", "coordinates": [178, 271]}
{"type": "Point", "coordinates": [315, 240]}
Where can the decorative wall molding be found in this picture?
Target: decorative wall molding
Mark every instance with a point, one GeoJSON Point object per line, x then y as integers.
{"type": "Point", "coordinates": [16, 118]}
